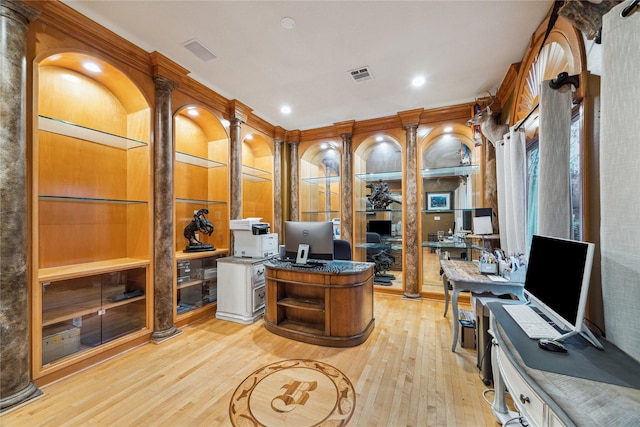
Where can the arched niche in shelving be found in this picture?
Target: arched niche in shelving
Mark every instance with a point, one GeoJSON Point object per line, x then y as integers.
{"type": "Point", "coordinates": [320, 182]}
{"type": "Point", "coordinates": [91, 154]}
{"type": "Point", "coordinates": [257, 176]}
{"type": "Point", "coordinates": [201, 173]}
{"type": "Point", "coordinates": [378, 161]}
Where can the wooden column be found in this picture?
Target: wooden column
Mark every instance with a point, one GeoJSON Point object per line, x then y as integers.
{"type": "Point", "coordinates": [294, 214]}
{"type": "Point", "coordinates": [15, 379]}
{"type": "Point", "coordinates": [276, 227]}
{"type": "Point", "coordinates": [346, 191]}
{"type": "Point", "coordinates": [163, 218]}
{"type": "Point", "coordinates": [411, 207]}
{"type": "Point", "coordinates": [235, 169]}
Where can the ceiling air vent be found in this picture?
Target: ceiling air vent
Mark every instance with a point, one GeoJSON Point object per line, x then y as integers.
{"type": "Point", "coordinates": [199, 50]}
{"type": "Point", "coordinates": [361, 74]}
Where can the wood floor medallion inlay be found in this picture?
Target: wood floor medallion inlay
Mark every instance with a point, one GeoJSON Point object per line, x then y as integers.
{"type": "Point", "coordinates": [298, 392]}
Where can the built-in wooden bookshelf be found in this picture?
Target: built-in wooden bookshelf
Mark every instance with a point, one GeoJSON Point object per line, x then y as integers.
{"type": "Point", "coordinates": [91, 212]}
{"type": "Point", "coordinates": [201, 182]}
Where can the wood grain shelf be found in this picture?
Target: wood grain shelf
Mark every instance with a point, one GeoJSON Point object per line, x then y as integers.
{"type": "Point", "coordinates": [69, 313]}
{"type": "Point", "coordinates": [190, 283]}
{"type": "Point", "coordinates": [303, 328]}
{"type": "Point", "coordinates": [302, 304]}
{"type": "Point", "coordinates": [89, 268]}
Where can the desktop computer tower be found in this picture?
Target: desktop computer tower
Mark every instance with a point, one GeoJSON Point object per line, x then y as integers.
{"type": "Point", "coordinates": [483, 338]}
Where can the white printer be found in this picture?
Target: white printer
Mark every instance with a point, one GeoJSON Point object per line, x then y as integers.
{"type": "Point", "coordinates": [252, 238]}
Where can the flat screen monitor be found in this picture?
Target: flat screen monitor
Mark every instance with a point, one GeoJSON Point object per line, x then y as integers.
{"type": "Point", "coordinates": [557, 281]}
{"type": "Point", "coordinates": [380, 226]}
{"type": "Point", "coordinates": [317, 234]}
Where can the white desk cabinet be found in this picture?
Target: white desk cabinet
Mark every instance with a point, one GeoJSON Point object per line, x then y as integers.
{"type": "Point", "coordinates": [241, 289]}
{"type": "Point", "coordinates": [596, 387]}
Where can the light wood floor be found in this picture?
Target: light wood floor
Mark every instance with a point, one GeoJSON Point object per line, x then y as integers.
{"type": "Point", "coordinates": [404, 375]}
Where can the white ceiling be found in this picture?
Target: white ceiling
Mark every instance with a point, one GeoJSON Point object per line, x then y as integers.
{"type": "Point", "coordinates": [462, 48]}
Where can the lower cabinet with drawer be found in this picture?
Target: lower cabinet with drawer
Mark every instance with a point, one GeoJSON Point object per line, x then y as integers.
{"type": "Point", "coordinates": [241, 289]}
{"type": "Point", "coordinates": [586, 386]}
{"type": "Point", "coordinates": [530, 405]}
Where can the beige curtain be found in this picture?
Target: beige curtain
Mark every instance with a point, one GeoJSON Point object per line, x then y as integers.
{"type": "Point", "coordinates": [554, 187]}
{"type": "Point", "coordinates": [511, 168]}
{"type": "Point", "coordinates": [620, 178]}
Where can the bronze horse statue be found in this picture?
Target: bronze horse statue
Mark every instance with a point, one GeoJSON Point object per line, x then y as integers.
{"type": "Point", "coordinates": [380, 198]}
{"type": "Point", "coordinates": [198, 223]}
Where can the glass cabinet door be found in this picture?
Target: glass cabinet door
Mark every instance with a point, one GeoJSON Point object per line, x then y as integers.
{"type": "Point", "coordinates": [84, 312]}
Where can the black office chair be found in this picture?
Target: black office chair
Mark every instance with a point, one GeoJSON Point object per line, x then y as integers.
{"type": "Point", "coordinates": [341, 250]}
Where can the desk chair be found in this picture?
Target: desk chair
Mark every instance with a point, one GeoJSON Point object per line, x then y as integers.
{"type": "Point", "coordinates": [341, 250]}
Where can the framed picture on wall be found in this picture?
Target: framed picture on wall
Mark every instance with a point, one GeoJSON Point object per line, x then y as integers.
{"type": "Point", "coordinates": [440, 201]}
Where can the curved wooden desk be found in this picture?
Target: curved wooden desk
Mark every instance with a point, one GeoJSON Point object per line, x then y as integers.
{"type": "Point", "coordinates": [330, 305]}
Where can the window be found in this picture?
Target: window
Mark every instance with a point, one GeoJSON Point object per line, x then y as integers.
{"type": "Point", "coordinates": [576, 174]}
{"type": "Point", "coordinates": [576, 166]}
{"type": "Point", "coordinates": [533, 157]}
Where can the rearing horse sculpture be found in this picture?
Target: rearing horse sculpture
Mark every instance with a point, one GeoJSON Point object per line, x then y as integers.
{"type": "Point", "coordinates": [198, 223]}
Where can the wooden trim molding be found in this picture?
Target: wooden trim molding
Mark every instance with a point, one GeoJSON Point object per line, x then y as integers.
{"type": "Point", "coordinates": [410, 117]}
{"type": "Point", "coordinates": [508, 85]}
{"type": "Point", "coordinates": [452, 112]}
{"type": "Point", "coordinates": [163, 66]}
{"type": "Point", "coordinates": [344, 127]}
{"type": "Point", "coordinates": [238, 110]}
{"type": "Point", "coordinates": [261, 125]}
{"type": "Point", "coordinates": [76, 26]}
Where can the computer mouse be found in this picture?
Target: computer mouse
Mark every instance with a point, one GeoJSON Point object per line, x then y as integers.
{"type": "Point", "coordinates": [551, 345]}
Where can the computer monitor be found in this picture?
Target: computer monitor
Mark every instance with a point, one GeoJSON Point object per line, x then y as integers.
{"type": "Point", "coordinates": [557, 282]}
{"type": "Point", "coordinates": [317, 234]}
{"type": "Point", "coordinates": [380, 226]}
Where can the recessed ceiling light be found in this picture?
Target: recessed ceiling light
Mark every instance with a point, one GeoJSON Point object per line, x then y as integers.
{"type": "Point", "coordinates": [379, 138]}
{"type": "Point", "coordinates": [418, 81]}
{"type": "Point", "coordinates": [285, 109]}
{"type": "Point", "coordinates": [448, 129]}
{"type": "Point", "coordinates": [192, 111]}
{"type": "Point", "coordinates": [288, 23]}
{"type": "Point", "coordinates": [92, 66]}
{"type": "Point", "coordinates": [248, 137]}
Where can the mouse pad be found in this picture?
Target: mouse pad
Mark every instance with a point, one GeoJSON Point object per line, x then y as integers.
{"type": "Point", "coordinates": [582, 360]}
